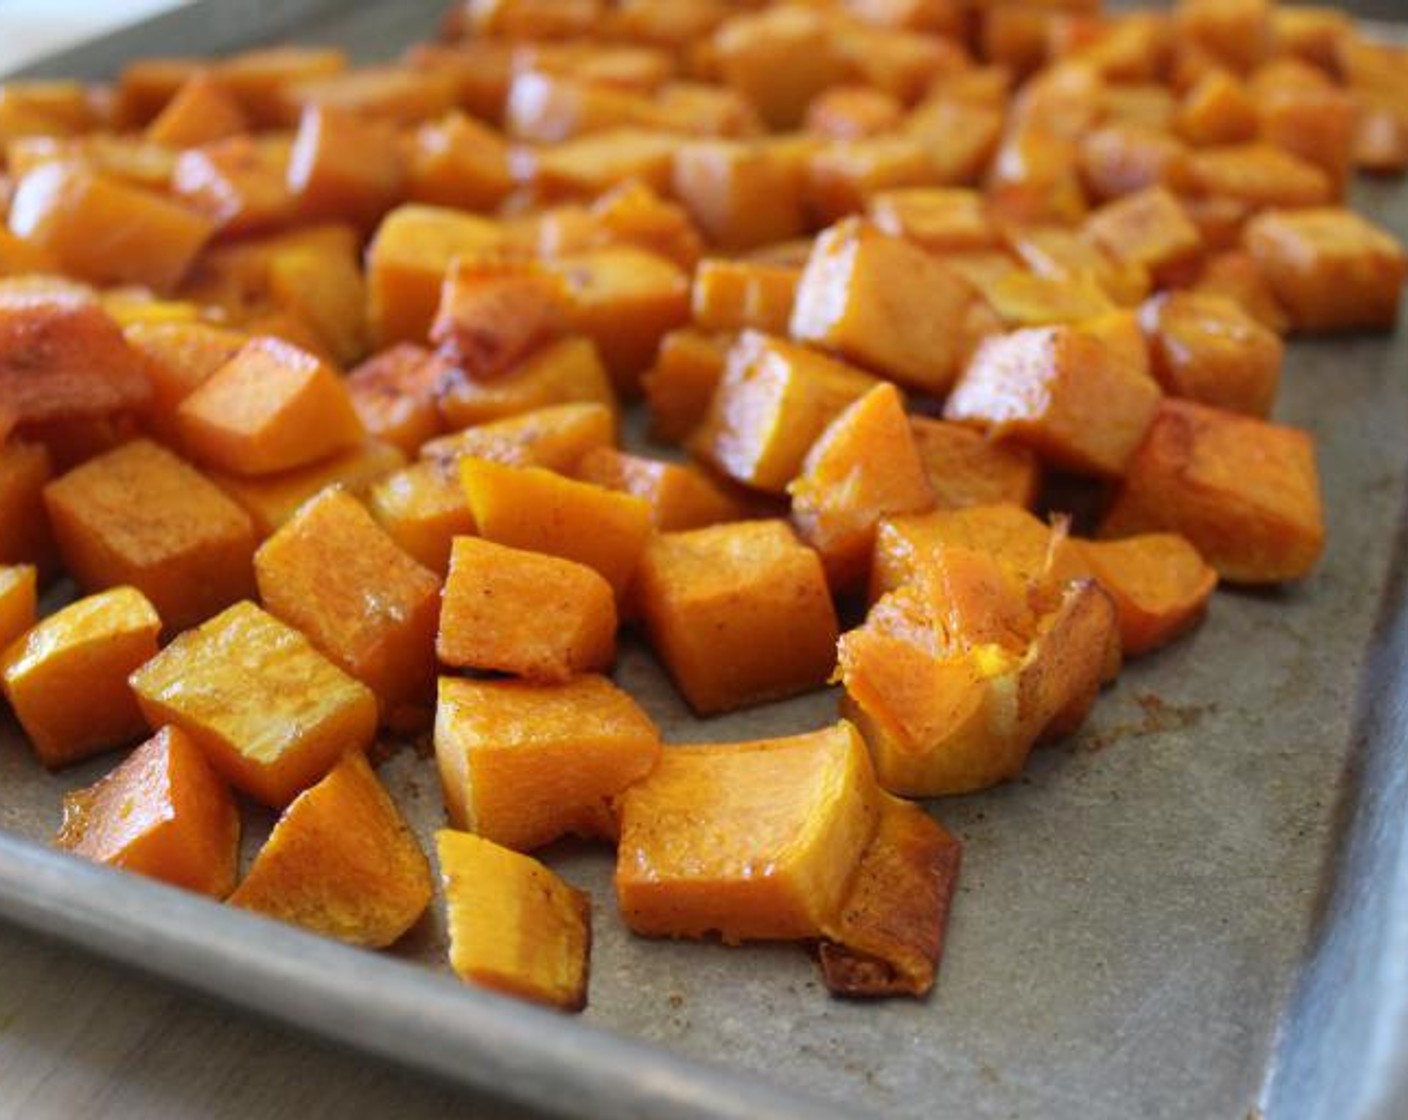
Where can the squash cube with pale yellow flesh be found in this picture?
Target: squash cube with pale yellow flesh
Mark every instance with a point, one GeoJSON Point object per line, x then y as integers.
{"type": "Point", "coordinates": [773, 402]}
{"type": "Point", "coordinates": [271, 713]}
{"type": "Point", "coordinates": [541, 511]}
{"type": "Point", "coordinates": [747, 841]}
{"type": "Point", "coordinates": [1244, 492]}
{"type": "Point", "coordinates": [865, 466]}
{"type": "Point", "coordinates": [1079, 395]}
{"type": "Point", "coordinates": [66, 678]}
{"type": "Point", "coordinates": [883, 303]}
{"type": "Point", "coordinates": [554, 437]}
{"type": "Point", "coordinates": [681, 496]}
{"type": "Point", "coordinates": [138, 515]}
{"type": "Point", "coordinates": [515, 927]}
{"type": "Point", "coordinates": [341, 861]}
{"type": "Point", "coordinates": [423, 509]}
{"type": "Point", "coordinates": [334, 574]}
{"type": "Point", "coordinates": [966, 468]}
{"type": "Point", "coordinates": [542, 617]}
{"type": "Point", "coordinates": [493, 314]}
{"type": "Point", "coordinates": [739, 613]}
{"type": "Point", "coordinates": [1331, 269]}
{"type": "Point", "coordinates": [1206, 348]}
{"type": "Point", "coordinates": [568, 371]}
{"type": "Point", "coordinates": [523, 764]}
{"type": "Point", "coordinates": [270, 408]}
{"type": "Point", "coordinates": [162, 813]}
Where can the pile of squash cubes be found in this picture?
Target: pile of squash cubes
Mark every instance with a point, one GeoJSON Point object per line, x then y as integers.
{"type": "Point", "coordinates": [312, 378]}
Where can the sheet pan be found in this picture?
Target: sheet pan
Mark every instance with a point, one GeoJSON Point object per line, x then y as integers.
{"type": "Point", "coordinates": [1198, 907]}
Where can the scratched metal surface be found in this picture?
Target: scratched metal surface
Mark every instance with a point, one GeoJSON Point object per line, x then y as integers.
{"type": "Point", "coordinates": [1165, 917]}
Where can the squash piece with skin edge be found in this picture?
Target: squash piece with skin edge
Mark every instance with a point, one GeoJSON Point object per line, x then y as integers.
{"type": "Point", "coordinates": [162, 813]}
{"type": "Point", "coordinates": [341, 861]}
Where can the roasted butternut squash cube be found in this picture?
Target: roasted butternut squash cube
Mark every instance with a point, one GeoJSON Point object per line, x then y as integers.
{"type": "Point", "coordinates": [25, 534]}
{"type": "Point", "coordinates": [1236, 32]}
{"type": "Point", "coordinates": [738, 295]}
{"type": "Point", "coordinates": [202, 111]}
{"type": "Point", "coordinates": [966, 468]}
{"type": "Point", "coordinates": [746, 841]}
{"type": "Point", "coordinates": [678, 388]}
{"type": "Point", "coordinates": [568, 371]}
{"type": "Point", "coordinates": [961, 136]}
{"type": "Point", "coordinates": [341, 861]}
{"type": "Point", "coordinates": [105, 231]}
{"type": "Point", "coordinates": [261, 77]}
{"type": "Point", "coordinates": [1044, 387]}
{"type": "Point", "coordinates": [1258, 174]}
{"type": "Point", "coordinates": [1122, 158]}
{"type": "Point", "coordinates": [587, 166]}
{"type": "Point", "coordinates": [853, 112]}
{"type": "Point", "coordinates": [1034, 176]}
{"type": "Point", "coordinates": [162, 813]}
{"type": "Point", "coordinates": [343, 166]}
{"type": "Point", "coordinates": [394, 393]}
{"type": "Point", "coordinates": [882, 303]}
{"type": "Point", "coordinates": [939, 219]}
{"type": "Point", "coordinates": [335, 575]}
{"type": "Point", "coordinates": [741, 194]}
{"type": "Point", "coordinates": [523, 764]}
{"type": "Point", "coordinates": [863, 467]}
{"type": "Point", "coordinates": [1206, 348]}
{"type": "Point", "coordinates": [774, 400]}
{"type": "Point", "coordinates": [1217, 109]}
{"type": "Point", "coordinates": [680, 496]}
{"type": "Point", "coordinates": [1236, 275]}
{"type": "Point", "coordinates": [399, 95]}
{"type": "Point", "coordinates": [541, 511]}
{"type": "Point", "coordinates": [1150, 229]}
{"type": "Point", "coordinates": [147, 84]}
{"type": "Point", "coordinates": [739, 613]}
{"type": "Point", "coordinates": [779, 59]}
{"type": "Point", "coordinates": [67, 677]}
{"type": "Point", "coordinates": [493, 316]}
{"type": "Point", "coordinates": [515, 927]}
{"type": "Point", "coordinates": [842, 175]}
{"type": "Point", "coordinates": [19, 601]}
{"type": "Point", "coordinates": [1159, 584]}
{"type": "Point", "coordinates": [177, 358]}
{"type": "Point", "coordinates": [1316, 121]}
{"type": "Point", "coordinates": [269, 408]}
{"type": "Point", "coordinates": [269, 711]}
{"type": "Point", "coordinates": [140, 516]}
{"type": "Point", "coordinates": [555, 437]}
{"type": "Point", "coordinates": [423, 509]}
{"type": "Point", "coordinates": [240, 183]}
{"type": "Point", "coordinates": [1245, 493]}
{"type": "Point", "coordinates": [1330, 268]}
{"type": "Point", "coordinates": [459, 162]}
{"type": "Point", "coordinates": [1026, 299]}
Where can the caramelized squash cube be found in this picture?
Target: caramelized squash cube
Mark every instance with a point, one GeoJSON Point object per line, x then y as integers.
{"type": "Point", "coordinates": [1258, 174]}
{"type": "Point", "coordinates": [1235, 275]}
{"type": "Point", "coordinates": [738, 295]}
{"type": "Point", "coordinates": [1245, 493]}
{"type": "Point", "coordinates": [588, 166]}
{"type": "Point", "coordinates": [568, 371]}
{"type": "Point", "coordinates": [398, 95]}
{"type": "Point", "coordinates": [523, 764]}
{"type": "Point", "coordinates": [493, 316]}
{"type": "Point", "coordinates": [261, 77]}
{"type": "Point", "coordinates": [555, 437]}
{"type": "Point", "coordinates": [680, 496]}
{"type": "Point", "coordinates": [739, 613]}
{"type": "Point", "coordinates": [271, 713]}
{"type": "Point", "coordinates": [239, 183]}
{"type": "Point", "coordinates": [515, 927]}
{"type": "Point", "coordinates": [740, 194]}
{"type": "Point", "coordinates": [1217, 110]}
{"type": "Point", "coordinates": [423, 509]}
{"type": "Point", "coordinates": [966, 468]}
{"type": "Point", "coordinates": [1206, 348]}
{"type": "Point", "coordinates": [458, 162]}
{"type": "Point", "coordinates": [394, 393]}
{"type": "Point", "coordinates": [341, 861]}
{"type": "Point", "coordinates": [1236, 32]}
{"type": "Point", "coordinates": [843, 175]}
{"type": "Point", "coordinates": [177, 359]}
{"type": "Point", "coordinates": [343, 166]}
{"type": "Point", "coordinates": [162, 813]}
{"type": "Point", "coordinates": [747, 841]}
{"type": "Point", "coordinates": [940, 219]}
{"type": "Point", "coordinates": [779, 59]}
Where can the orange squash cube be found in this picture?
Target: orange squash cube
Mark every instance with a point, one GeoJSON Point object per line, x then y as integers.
{"type": "Point", "coordinates": [458, 162]}
{"type": "Point", "coordinates": [1235, 275]}
{"type": "Point", "coordinates": [105, 231]}
{"type": "Point", "coordinates": [138, 515]}
{"type": "Point", "coordinates": [587, 166]}
{"type": "Point", "coordinates": [161, 813]}
{"type": "Point", "coordinates": [939, 219]}
{"type": "Point", "coordinates": [1236, 32]}
{"type": "Point", "coordinates": [493, 316]}
{"type": "Point", "coordinates": [269, 711]}
{"type": "Point", "coordinates": [568, 371]}
{"type": "Point", "coordinates": [555, 437]}
{"type": "Point", "coordinates": [842, 175]}
{"type": "Point", "coordinates": [678, 388]}
{"type": "Point", "coordinates": [680, 496]}
{"type": "Point", "coordinates": [341, 861]}
{"type": "Point", "coordinates": [261, 77]}
{"type": "Point", "coordinates": [737, 295]}
{"type": "Point", "coordinates": [177, 359]}
{"type": "Point", "coordinates": [523, 764]}
{"type": "Point", "coordinates": [67, 677]}
{"type": "Point", "coordinates": [399, 95]}
{"type": "Point", "coordinates": [739, 613]}
{"type": "Point", "coordinates": [1258, 174]}
{"type": "Point", "coordinates": [961, 136]}
{"type": "Point", "coordinates": [1329, 268]}
{"type": "Point", "coordinates": [741, 194]}
{"type": "Point", "coordinates": [1380, 142]}
{"type": "Point", "coordinates": [1217, 109]}
{"type": "Point", "coordinates": [25, 535]}
{"type": "Point", "coordinates": [1119, 159]}
{"type": "Point", "coordinates": [19, 601]}
{"type": "Point", "coordinates": [541, 617]}
{"type": "Point", "coordinates": [853, 112]}
{"type": "Point", "coordinates": [779, 59]}
{"type": "Point", "coordinates": [315, 572]}
{"type": "Point", "coordinates": [343, 166]}
{"type": "Point", "coordinates": [1159, 584]}
{"type": "Point", "coordinates": [515, 927]}
{"type": "Point", "coordinates": [1206, 348]}
{"type": "Point", "coordinates": [774, 400]}
{"type": "Point", "coordinates": [747, 841]}
{"type": "Point", "coordinates": [239, 184]}
{"type": "Point", "coordinates": [269, 408]}
{"type": "Point", "coordinates": [201, 111]}
{"type": "Point", "coordinates": [1150, 229]}
{"type": "Point", "coordinates": [1044, 387]}
{"type": "Point", "coordinates": [394, 394]}
{"type": "Point", "coordinates": [1315, 121]}
{"type": "Point", "coordinates": [540, 511]}
{"type": "Point", "coordinates": [1245, 493]}
{"type": "Point", "coordinates": [882, 303]}
{"type": "Point", "coordinates": [423, 509]}
{"type": "Point", "coordinates": [966, 468]}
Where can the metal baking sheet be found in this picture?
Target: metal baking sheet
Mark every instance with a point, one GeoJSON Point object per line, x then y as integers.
{"type": "Point", "coordinates": [1198, 907]}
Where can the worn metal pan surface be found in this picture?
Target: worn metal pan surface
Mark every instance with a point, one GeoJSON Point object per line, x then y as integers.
{"type": "Point", "coordinates": [1196, 907]}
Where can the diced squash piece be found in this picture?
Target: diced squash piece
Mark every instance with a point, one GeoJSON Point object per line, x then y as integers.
{"type": "Point", "coordinates": [19, 257]}
{"type": "Point", "coordinates": [739, 613]}
{"type": "Point", "coordinates": [515, 927]}
{"type": "Point", "coordinates": [67, 677]}
{"type": "Point", "coordinates": [1245, 493]}
{"type": "Point", "coordinates": [423, 508]}
{"type": "Point", "coordinates": [1315, 121]}
{"type": "Point", "coordinates": [882, 303]}
{"type": "Point", "coordinates": [523, 764]}
{"type": "Point", "coordinates": [261, 77]}
{"type": "Point", "coordinates": [271, 499]}
{"type": "Point", "coordinates": [1217, 110]}
{"type": "Point", "coordinates": [1159, 584]}
{"type": "Point", "coordinates": [1120, 159]}
{"type": "Point", "coordinates": [740, 194]}
{"type": "Point", "coordinates": [737, 295]}
{"type": "Point", "coordinates": [62, 357]}
{"type": "Point", "coordinates": [341, 861]}
{"type": "Point", "coordinates": [343, 166]}
{"type": "Point", "coordinates": [568, 371]}
{"type": "Point", "coordinates": [177, 359]}
{"type": "Point", "coordinates": [588, 166]}
{"type": "Point", "coordinates": [555, 437]}
{"type": "Point", "coordinates": [680, 496]}
{"type": "Point", "coordinates": [459, 162]}
{"type": "Point", "coordinates": [394, 394]}
{"type": "Point", "coordinates": [1035, 177]}
{"type": "Point", "coordinates": [853, 112]}
{"type": "Point", "coordinates": [147, 84]}
{"type": "Point", "coordinates": [966, 468]}
{"type": "Point", "coordinates": [1330, 268]}
{"type": "Point", "coordinates": [1150, 229]}
{"type": "Point", "coordinates": [939, 219]}
{"type": "Point", "coordinates": [863, 467]}
{"type": "Point", "coordinates": [1080, 396]}
{"type": "Point", "coordinates": [269, 711]}
{"type": "Point", "coordinates": [888, 935]}
{"type": "Point", "coordinates": [961, 136]}
{"type": "Point", "coordinates": [779, 59]}
{"type": "Point", "coordinates": [335, 575]}
{"type": "Point", "coordinates": [678, 388]}
{"type": "Point", "coordinates": [140, 516]}
{"type": "Point", "coordinates": [19, 601]}
{"type": "Point", "coordinates": [1235, 275]}
{"type": "Point", "coordinates": [774, 400]}
{"type": "Point", "coordinates": [747, 841]}
{"type": "Point", "coordinates": [842, 175]}
{"type": "Point", "coordinates": [240, 183]}
{"type": "Point", "coordinates": [399, 95]}
{"type": "Point", "coordinates": [1258, 174]}
{"type": "Point", "coordinates": [1236, 32]}
{"type": "Point", "coordinates": [493, 316]}
{"type": "Point", "coordinates": [162, 813]}
{"type": "Point", "coordinates": [1026, 299]}
{"type": "Point", "coordinates": [1206, 348]}
{"type": "Point", "coordinates": [25, 535]}
{"type": "Point", "coordinates": [269, 408]}
{"type": "Point", "coordinates": [541, 511]}
{"type": "Point", "coordinates": [202, 111]}
{"type": "Point", "coordinates": [1072, 255]}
